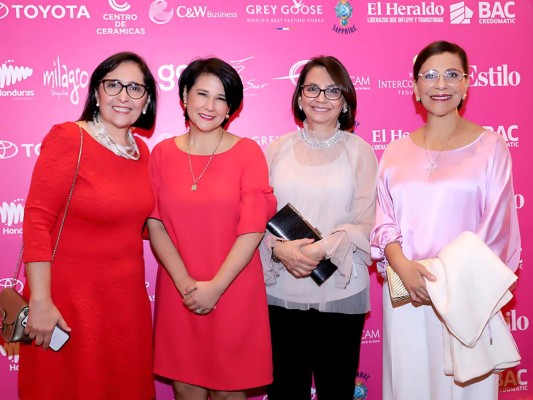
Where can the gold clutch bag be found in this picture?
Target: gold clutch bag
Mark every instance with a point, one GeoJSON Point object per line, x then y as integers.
{"type": "Point", "coordinates": [398, 292]}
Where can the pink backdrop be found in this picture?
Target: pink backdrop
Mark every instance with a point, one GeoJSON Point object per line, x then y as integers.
{"type": "Point", "coordinates": [48, 50]}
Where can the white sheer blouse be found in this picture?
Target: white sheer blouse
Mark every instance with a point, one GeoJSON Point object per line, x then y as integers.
{"type": "Point", "coordinates": [335, 190]}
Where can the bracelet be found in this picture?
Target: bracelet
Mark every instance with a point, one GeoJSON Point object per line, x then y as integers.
{"type": "Point", "coordinates": [273, 257]}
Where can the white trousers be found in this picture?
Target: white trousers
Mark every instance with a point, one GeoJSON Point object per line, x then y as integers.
{"type": "Point", "coordinates": [413, 358]}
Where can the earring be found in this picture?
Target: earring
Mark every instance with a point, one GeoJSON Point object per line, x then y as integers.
{"type": "Point", "coordinates": [227, 115]}
{"type": "Point", "coordinates": [463, 96]}
{"type": "Point", "coordinates": [345, 109]}
{"type": "Point", "coordinates": [185, 105]}
{"type": "Point", "coordinates": [97, 104]}
{"type": "Point", "coordinates": [417, 99]}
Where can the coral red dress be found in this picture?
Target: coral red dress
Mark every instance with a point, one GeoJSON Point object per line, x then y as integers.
{"type": "Point", "coordinates": [229, 348]}
{"type": "Point", "coordinates": [98, 279]}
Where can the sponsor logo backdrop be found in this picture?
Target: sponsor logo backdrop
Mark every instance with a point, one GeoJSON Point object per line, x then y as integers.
{"type": "Point", "coordinates": [49, 50]}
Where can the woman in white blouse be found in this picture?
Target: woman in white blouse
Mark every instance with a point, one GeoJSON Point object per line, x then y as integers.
{"type": "Point", "coordinates": [329, 175]}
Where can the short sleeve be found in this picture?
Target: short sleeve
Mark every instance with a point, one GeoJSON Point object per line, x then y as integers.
{"type": "Point", "coordinates": [49, 188]}
{"type": "Point", "coordinates": [257, 201]}
{"type": "Point", "coordinates": [155, 175]}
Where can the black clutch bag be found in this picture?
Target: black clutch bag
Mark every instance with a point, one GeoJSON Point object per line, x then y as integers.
{"type": "Point", "coordinates": [289, 224]}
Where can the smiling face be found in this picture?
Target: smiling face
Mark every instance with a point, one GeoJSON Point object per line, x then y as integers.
{"type": "Point", "coordinates": [118, 113]}
{"type": "Point", "coordinates": [320, 112]}
{"type": "Point", "coordinates": [441, 97]}
{"type": "Point", "coordinates": [206, 103]}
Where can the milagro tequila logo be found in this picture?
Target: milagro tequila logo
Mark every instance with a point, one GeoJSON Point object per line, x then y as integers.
{"type": "Point", "coordinates": [11, 216]}
{"type": "Point", "coordinates": [64, 81]}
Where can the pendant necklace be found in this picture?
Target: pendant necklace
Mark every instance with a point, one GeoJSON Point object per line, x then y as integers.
{"type": "Point", "coordinates": [102, 136]}
{"type": "Point", "coordinates": [321, 144]}
{"type": "Point", "coordinates": [432, 163]}
{"type": "Point", "coordinates": [194, 186]}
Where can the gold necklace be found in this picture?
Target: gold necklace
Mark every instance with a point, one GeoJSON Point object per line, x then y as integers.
{"type": "Point", "coordinates": [432, 163]}
{"type": "Point", "coordinates": [194, 186]}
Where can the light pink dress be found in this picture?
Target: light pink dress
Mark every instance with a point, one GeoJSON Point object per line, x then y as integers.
{"type": "Point", "coordinates": [469, 188]}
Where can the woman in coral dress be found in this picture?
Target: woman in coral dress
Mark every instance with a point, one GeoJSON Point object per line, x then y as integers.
{"type": "Point", "coordinates": [95, 288]}
{"type": "Point", "coordinates": [213, 201]}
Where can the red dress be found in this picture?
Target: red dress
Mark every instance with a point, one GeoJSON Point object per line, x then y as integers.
{"type": "Point", "coordinates": [98, 279]}
{"type": "Point", "coordinates": [229, 348]}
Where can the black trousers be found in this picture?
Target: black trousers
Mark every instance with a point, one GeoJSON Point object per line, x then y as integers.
{"type": "Point", "coordinates": [307, 344]}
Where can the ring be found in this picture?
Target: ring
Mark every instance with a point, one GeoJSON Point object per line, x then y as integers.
{"type": "Point", "coordinates": [199, 311]}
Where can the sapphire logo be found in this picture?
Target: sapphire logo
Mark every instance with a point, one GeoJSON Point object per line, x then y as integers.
{"type": "Point", "coordinates": [361, 390]}
{"type": "Point", "coordinates": [460, 13]}
{"type": "Point", "coordinates": [7, 149]}
{"type": "Point", "coordinates": [344, 11]}
{"type": "Point", "coordinates": [10, 74]}
{"type": "Point", "coordinates": [158, 12]}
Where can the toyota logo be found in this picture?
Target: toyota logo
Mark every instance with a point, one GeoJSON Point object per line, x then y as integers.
{"type": "Point", "coordinates": [4, 10]}
{"type": "Point", "coordinates": [11, 282]}
{"type": "Point", "coordinates": [7, 149]}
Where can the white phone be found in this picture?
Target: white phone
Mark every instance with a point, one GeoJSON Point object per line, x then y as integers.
{"type": "Point", "coordinates": [59, 338]}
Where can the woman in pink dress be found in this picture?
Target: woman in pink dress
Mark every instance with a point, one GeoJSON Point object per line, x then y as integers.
{"type": "Point", "coordinates": [213, 201]}
{"type": "Point", "coordinates": [447, 177]}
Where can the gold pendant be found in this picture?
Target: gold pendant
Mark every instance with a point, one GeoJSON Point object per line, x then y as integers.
{"type": "Point", "coordinates": [194, 187]}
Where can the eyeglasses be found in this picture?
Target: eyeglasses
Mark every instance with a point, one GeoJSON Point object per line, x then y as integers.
{"type": "Point", "coordinates": [451, 75]}
{"type": "Point", "coordinates": [313, 91]}
{"type": "Point", "coordinates": [113, 87]}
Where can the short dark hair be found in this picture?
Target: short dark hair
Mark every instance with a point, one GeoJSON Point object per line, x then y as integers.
{"type": "Point", "coordinates": [145, 121]}
{"type": "Point", "coordinates": [341, 77]}
{"type": "Point", "coordinates": [436, 48]}
{"type": "Point", "coordinates": [230, 79]}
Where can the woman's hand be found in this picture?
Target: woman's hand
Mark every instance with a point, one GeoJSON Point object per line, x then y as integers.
{"type": "Point", "coordinates": [42, 319]}
{"type": "Point", "coordinates": [292, 255]}
{"type": "Point", "coordinates": [202, 296]}
{"type": "Point", "coordinates": [185, 285]}
{"type": "Point", "coordinates": [413, 276]}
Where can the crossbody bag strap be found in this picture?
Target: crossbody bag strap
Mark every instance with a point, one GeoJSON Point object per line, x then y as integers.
{"type": "Point", "coordinates": [19, 261]}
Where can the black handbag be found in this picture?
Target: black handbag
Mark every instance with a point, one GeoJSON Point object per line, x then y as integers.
{"type": "Point", "coordinates": [13, 307]}
{"type": "Point", "coordinates": [289, 224]}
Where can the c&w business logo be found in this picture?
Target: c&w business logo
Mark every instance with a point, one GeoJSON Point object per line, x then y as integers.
{"type": "Point", "coordinates": [460, 13]}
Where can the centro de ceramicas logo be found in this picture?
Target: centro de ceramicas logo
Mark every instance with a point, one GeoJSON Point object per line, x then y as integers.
{"type": "Point", "coordinates": [120, 22]}
{"type": "Point", "coordinates": [44, 11]}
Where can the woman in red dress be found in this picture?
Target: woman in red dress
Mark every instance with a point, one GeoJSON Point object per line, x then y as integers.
{"type": "Point", "coordinates": [213, 201]}
{"type": "Point", "coordinates": [95, 288]}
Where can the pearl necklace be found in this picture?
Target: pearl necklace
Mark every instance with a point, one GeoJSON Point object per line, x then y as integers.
{"type": "Point", "coordinates": [102, 135]}
{"type": "Point", "coordinates": [321, 144]}
{"type": "Point", "coordinates": [194, 186]}
{"type": "Point", "coordinates": [432, 163]}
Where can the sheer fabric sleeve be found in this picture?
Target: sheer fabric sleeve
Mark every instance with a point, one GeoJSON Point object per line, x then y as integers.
{"type": "Point", "coordinates": [499, 221]}
{"type": "Point", "coordinates": [348, 245]}
{"type": "Point", "coordinates": [258, 203]}
{"type": "Point", "coordinates": [386, 229]}
{"type": "Point", "coordinates": [49, 188]}
{"type": "Point", "coordinates": [271, 269]}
